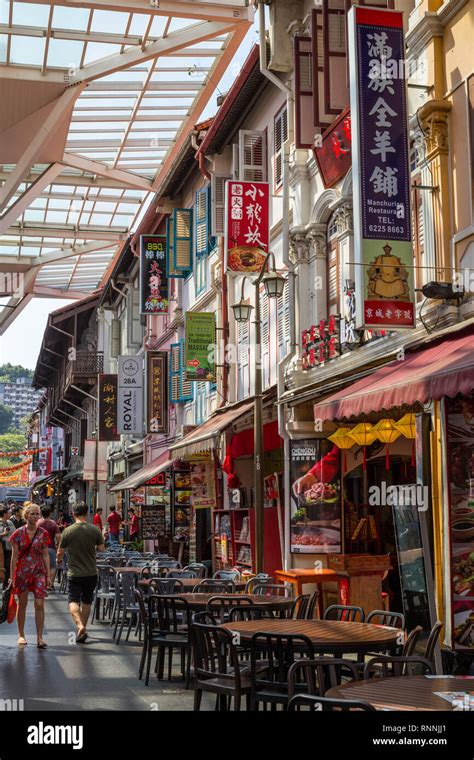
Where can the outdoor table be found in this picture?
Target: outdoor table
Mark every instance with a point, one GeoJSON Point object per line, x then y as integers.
{"type": "Point", "coordinates": [331, 636]}
{"type": "Point", "coordinates": [198, 602]}
{"type": "Point", "coordinates": [404, 692]}
{"type": "Point", "coordinates": [189, 583]}
{"type": "Point", "coordinates": [136, 570]}
{"type": "Point", "coordinates": [299, 576]}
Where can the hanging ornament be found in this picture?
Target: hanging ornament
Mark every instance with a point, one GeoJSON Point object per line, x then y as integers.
{"type": "Point", "coordinates": [407, 428]}
{"type": "Point", "coordinates": [387, 432]}
{"type": "Point", "coordinates": [364, 435]}
{"type": "Point", "coordinates": [342, 439]}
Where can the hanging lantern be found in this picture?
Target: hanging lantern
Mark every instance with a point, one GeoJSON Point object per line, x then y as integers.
{"type": "Point", "coordinates": [387, 432]}
{"type": "Point", "coordinates": [364, 435]}
{"type": "Point", "coordinates": [407, 428]}
{"type": "Point", "coordinates": [342, 439]}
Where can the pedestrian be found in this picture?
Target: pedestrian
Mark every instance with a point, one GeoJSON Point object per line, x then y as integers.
{"type": "Point", "coordinates": [98, 519]}
{"type": "Point", "coordinates": [114, 521]}
{"type": "Point", "coordinates": [30, 571]}
{"type": "Point", "coordinates": [54, 534]}
{"type": "Point", "coordinates": [16, 517]}
{"type": "Point", "coordinates": [63, 520]}
{"type": "Point", "coordinates": [134, 524]}
{"type": "Point", "coordinates": [81, 541]}
{"type": "Point", "coordinates": [7, 528]}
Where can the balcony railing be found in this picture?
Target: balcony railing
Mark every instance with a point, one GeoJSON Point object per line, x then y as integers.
{"type": "Point", "coordinates": [86, 364]}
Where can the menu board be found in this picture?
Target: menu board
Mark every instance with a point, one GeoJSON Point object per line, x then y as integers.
{"type": "Point", "coordinates": [203, 491]}
{"type": "Point", "coordinates": [182, 503]}
{"type": "Point", "coordinates": [153, 521]}
{"type": "Point", "coordinates": [460, 431]}
{"type": "Point", "coordinates": [315, 513]}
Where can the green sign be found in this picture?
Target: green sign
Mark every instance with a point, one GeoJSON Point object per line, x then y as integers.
{"type": "Point", "coordinates": [199, 346]}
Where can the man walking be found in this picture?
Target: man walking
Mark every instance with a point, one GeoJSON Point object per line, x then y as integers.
{"type": "Point", "coordinates": [114, 521]}
{"type": "Point", "coordinates": [98, 519]}
{"type": "Point", "coordinates": [81, 541]}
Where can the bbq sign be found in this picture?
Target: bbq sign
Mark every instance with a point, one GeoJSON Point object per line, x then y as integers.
{"type": "Point", "coordinates": [382, 228]}
{"type": "Point", "coordinates": [247, 229]}
{"type": "Point", "coordinates": [154, 296]}
{"type": "Point", "coordinates": [108, 408]}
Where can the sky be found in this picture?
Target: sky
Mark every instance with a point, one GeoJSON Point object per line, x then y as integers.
{"type": "Point", "coordinates": [21, 342]}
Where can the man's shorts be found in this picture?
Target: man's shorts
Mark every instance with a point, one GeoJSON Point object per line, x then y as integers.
{"type": "Point", "coordinates": [52, 558]}
{"type": "Point", "coordinates": [81, 589]}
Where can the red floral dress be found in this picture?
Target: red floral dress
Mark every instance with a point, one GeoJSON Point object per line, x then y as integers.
{"type": "Point", "coordinates": [30, 571]}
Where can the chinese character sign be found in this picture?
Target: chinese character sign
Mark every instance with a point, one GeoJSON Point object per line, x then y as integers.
{"type": "Point", "coordinates": [382, 227]}
{"type": "Point", "coordinates": [154, 296]}
{"type": "Point", "coordinates": [334, 155]}
{"type": "Point", "coordinates": [157, 392]}
{"type": "Point", "coordinates": [200, 341]}
{"type": "Point", "coordinates": [247, 225]}
{"type": "Point", "coordinates": [108, 408]}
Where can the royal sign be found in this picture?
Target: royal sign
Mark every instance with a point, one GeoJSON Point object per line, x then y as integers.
{"type": "Point", "coordinates": [247, 228]}
{"type": "Point", "coordinates": [381, 170]}
{"type": "Point", "coordinates": [130, 395]}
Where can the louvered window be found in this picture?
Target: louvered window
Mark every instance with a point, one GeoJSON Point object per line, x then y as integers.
{"type": "Point", "coordinates": [252, 156]}
{"type": "Point", "coordinates": [265, 334]}
{"type": "Point", "coordinates": [183, 239]}
{"type": "Point", "coordinates": [304, 128]}
{"type": "Point", "coordinates": [243, 369]}
{"type": "Point", "coordinates": [218, 203]}
{"type": "Point", "coordinates": [283, 323]}
{"type": "Point", "coordinates": [418, 231]}
{"type": "Point", "coordinates": [280, 135]}
{"type": "Point", "coordinates": [180, 389]}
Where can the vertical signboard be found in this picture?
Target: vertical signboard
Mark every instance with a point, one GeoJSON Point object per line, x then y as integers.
{"type": "Point", "coordinates": [247, 229]}
{"type": "Point", "coordinates": [130, 395]}
{"type": "Point", "coordinates": [154, 295]}
{"type": "Point", "coordinates": [157, 392]}
{"type": "Point", "coordinates": [199, 344]}
{"type": "Point", "coordinates": [381, 170]}
{"type": "Point", "coordinates": [108, 408]}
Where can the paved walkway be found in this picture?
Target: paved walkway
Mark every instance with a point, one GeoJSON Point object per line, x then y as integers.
{"type": "Point", "coordinates": [98, 675]}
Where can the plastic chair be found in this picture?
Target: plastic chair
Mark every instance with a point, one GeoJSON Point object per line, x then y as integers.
{"type": "Point", "coordinates": [169, 622]}
{"type": "Point", "coordinates": [198, 568]}
{"type": "Point", "coordinates": [300, 607]}
{"type": "Point", "coordinates": [385, 666]}
{"type": "Point", "coordinates": [432, 641]}
{"type": "Point", "coordinates": [411, 642]}
{"type": "Point", "coordinates": [182, 574]}
{"type": "Point", "coordinates": [259, 579]}
{"type": "Point", "coordinates": [220, 606]}
{"type": "Point", "coordinates": [129, 606]}
{"type": "Point", "coordinates": [273, 589]}
{"type": "Point", "coordinates": [279, 651]}
{"type": "Point", "coordinates": [385, 617]}
{"type": "Point", "coordinates": [226, 575]}
{"type": "Point", "coordinates": [344, 612]}
{"type": "Point", "coordinates": [326, 704]}
{"type": "Point", "coordinates": [104, 590]}
{"type": "Point", "coordinates": [208, 586]}
{"type": "Point", "coordinates": [166, 586]}
{"type": "Point", "coordinates": [317, 676]}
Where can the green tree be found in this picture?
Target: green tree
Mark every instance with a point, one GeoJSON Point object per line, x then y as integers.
{"type": "Point", "coordinates": [6, 416]}
{"type": "Point", "coordinates": [11, 372]}
{"type": "Point", "coordinates": [11, 442]}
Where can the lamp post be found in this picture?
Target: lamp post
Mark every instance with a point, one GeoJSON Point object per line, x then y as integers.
{"type": "Point", "coordinates": [273, 284]}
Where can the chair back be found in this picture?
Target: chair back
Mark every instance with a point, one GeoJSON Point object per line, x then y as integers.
{"type": "Point", "coordinates": [214, 653]}
{"type": "Point", "coordinates": [141, 606]}
{"type": "Point", "coordinates": [411, 642]}
{"type": "Point", "coordinates": [198, 568]}
{"type": "Point", "coordinates": [205, 617]}
{"type": "Point", "coordinates": [250, 612]}
{"type": "Point", "coordinates": [166, 586]}
{"type": "Point", "coordinates": [273, 589]}
{"type": "Point", "coordinates": [344, 612]}
{"type": "Point", "coordinates": [181, 574]}
{"type": "Point", "coordinates": [214, 587]}
{"type": "Point", "coordinates": [312, 605]}
{"type": "Point", "coordinates": [226, 575]}
{"type": "Point", "coordinates": [432, 641]}
{"type": "Point", "coordinates": [127, 586]}
{"type": "Point", "coordinates": [171, 612]}
{"type": "Point", "coordinates": [317, 676]}
{"type": "Point", "coordinates": [299, 608]}
{"type": "Point", "coordinates": [279, 651]}
{"type": "Point", "coordinates": [385, 617]}
{"type": "Point", "coordinates": [107, 579]}
{"type": "Point", "coordinates": [259, 579]}
{"type": "Point", "coordinates": [385, 666]}
{"type": "Point", "coordinates": [327, 704]}
{"type": "Point", "coordinates": [220, 606]}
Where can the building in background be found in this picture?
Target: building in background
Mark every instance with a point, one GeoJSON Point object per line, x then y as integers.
{"type": "Point", "coordinates": [21, 397]}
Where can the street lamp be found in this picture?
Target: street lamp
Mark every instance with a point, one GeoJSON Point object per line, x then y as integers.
{"type": "Point", "coordinates": [273, 284]}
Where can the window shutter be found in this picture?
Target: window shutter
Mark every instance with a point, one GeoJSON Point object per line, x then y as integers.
{"type": "Point", "coordinates": [172, 271]}
{"type": "Point", "coordinates": [265, 342]}
{"type": "Point", "coordinates": [218, 203]}
{"type": "Point", "coordinates": [243, 373]}
{"type": "Point", "coordinates": [134, 325]}
{"type": "Point", "coordinates": [336, 89]}
{"type": "Point", "coordinates": [333, 279]}
{"type": "Point", "coordinates": [235, 162]}
{"type": "Point", "coordinates": [115, 338]}
{"type": "Point", "coordinates": [283, 324]}
{"type": "Point", "coordinates": [280, 135]}
{"type": "Point", "coordinates": [201, 217]}
{"type": "Point", "coordinates": [187, 386]}
{"type": "Point", "coordinates": [180, 388]}
{"type": "Point", "coordinates": [182, 239]}
{"type": "Point", "coordinates": [252, 156]}
{"type": "Point", "coordinates": [304, 128]}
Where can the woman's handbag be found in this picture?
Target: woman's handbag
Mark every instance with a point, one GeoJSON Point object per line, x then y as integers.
{"type": "Point", "coordinates": [5, 596]}
{"type": "Point", "coordinates": [12, 608]}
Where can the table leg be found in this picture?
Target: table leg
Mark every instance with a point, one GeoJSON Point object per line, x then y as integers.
{"type": "Point", "coordinates": [320, 600]}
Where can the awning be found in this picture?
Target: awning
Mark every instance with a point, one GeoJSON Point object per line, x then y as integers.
{"type": "Point", "coordinates": [204, 438]}
{"type": "Point", "coordinates": [443, 369]}
{"type": "Point", "coordinates": [141, 476]}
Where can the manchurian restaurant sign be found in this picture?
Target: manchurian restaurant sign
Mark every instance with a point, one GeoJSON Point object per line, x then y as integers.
{"type": "Point", "coordinates": [382, 225]}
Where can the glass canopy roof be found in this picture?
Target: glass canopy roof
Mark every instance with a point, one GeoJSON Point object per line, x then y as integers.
{"type": "Point", "coordinates": [101, 95]}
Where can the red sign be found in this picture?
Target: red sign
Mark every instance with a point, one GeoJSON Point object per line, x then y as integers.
{"type": "Point", "coordinates": [334, 155]}
{"type": "Point", "coordinates": [321, 343]}
{"type": "Point", "coordinates": [247, 230]}
{"type": "Point", "coordinates": [157, 480]}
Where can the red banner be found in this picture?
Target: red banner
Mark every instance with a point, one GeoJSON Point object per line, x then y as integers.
{"type": "Point", "coordinates": [247, 230]}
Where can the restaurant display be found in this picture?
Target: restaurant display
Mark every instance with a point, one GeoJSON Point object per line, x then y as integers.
{"type": "Point", "coordinates": [182, 503]}
{"type": "Point", "coordinates": [203, 492]}
{"type": "Point", "coordinates": [153, 521]}
{"type": "Point", "coordinates": [460, 427]}
{"type": "Point", "coordinates": [315, 515]}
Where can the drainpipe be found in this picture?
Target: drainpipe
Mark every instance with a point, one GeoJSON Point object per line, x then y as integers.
{"type": "Point", "coordinates": [291, 272]}
{"type": "Point", "coordinates": [123, 293]}
{"type": "Point", "coordinates": [201, 157]}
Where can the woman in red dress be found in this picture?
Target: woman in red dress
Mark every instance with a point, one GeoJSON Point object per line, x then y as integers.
{"type": "Point", "coordinates": [30, 571]}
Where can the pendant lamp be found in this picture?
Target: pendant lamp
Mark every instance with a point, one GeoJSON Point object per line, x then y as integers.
{"type": "Point", "coordinates": [364, 435]}
{"type": "Point", "coordinates": [387, 432]}
{"type": "Point", "coordinates": [407, 428]}
{"type": "Point", "coordinates": [342, 439]}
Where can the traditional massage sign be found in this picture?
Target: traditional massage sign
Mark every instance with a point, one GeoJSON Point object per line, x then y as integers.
{"type": "Point", "coordinates": [154, 296]}
{"type": "Point", "coordinates": [382, 227]}
{"type": "Point", "coordinates": [247, 229]}
{"type": "Point", "coordinates": [200, 340]}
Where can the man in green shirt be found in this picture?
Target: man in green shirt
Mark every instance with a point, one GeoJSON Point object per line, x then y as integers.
{"type": "Point", "coordinates": [81, 540]}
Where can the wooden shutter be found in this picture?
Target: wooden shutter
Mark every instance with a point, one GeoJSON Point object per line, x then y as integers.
{"type": "Point", "coordinates": [243, 371]}
{"type": "Point", "coordinates": [134, 325]}
{"type": "Point", "coordinates": [280, 135]}
{"type": "Point", "coordinates": [336, 85]}
{"type": "Point", "coordinates": [418, 231]}
{"type": "Point", "coordinates": [218, 203]}
{"type": "Point", "coordinates": [333, 278]}
{"type": "Point", "coordinates": [115, 338]}
{"type": "Point", "coordinates": [252, 156]}
{"type": "Point", "coordinates": [283, 324]}
{"type": "Point", "coordinates": [265, 332]}
{"type": "Point", "coordinates": [183, 239]}
{"type": "Point", "coordinates": [172, 271]}
{"type": "Point", "coordinates": [304, 127]}
{"type": "Point", "coordinates": [180, 388]}
{"type": "Point", "coordinates": [201, 222]}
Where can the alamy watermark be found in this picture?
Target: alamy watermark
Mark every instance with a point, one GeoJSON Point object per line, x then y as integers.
{"type": "Point", "coordinates": [413, 495]}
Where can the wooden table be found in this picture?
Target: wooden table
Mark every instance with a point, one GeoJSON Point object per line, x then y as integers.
{"type": "Point", "coordinates": [136, 570]}
{"type": "Point", "coordinates": [403, 693]}
{"type": "Point", "coordinates": [298, 576]}
{"type": "Point", "coordinates": [198, 602]}
{"type": "Point", "coordinates": [332, 636]}
{"type": "Point", "coordinates": [189, 584]}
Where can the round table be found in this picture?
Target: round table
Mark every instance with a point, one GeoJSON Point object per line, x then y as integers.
{"type": "Point", "coordinates": [198, 602]}
{"type": "Point", "coordinates": [404, 692]}
{"type": "Point", "coordinates": [332, 636]}
{"type": "Point", "coordinates": [136, 570]}
{"type": "Point", "coordinates": [189, 583]}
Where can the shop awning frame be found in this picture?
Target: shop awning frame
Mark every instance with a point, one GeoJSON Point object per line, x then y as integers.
{"type": "Point", "coordinates": [205, 437]}
{"type": "Point", "coordinates": [138, 478]}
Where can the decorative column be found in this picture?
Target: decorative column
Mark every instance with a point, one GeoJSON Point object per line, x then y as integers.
{"type": "Point", "coordinates": [299, 255]}
{"type": "Point", "coordinates": [316, 237]}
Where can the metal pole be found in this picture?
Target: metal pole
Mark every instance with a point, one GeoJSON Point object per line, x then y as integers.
{"type": "Point", "coordinates": [96, 457]}
{"type": "Point", "coordinates": [258, 439]}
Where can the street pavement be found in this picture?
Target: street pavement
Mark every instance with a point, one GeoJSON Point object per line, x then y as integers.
{"type": "Point", "coordinates": [97, 675]}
